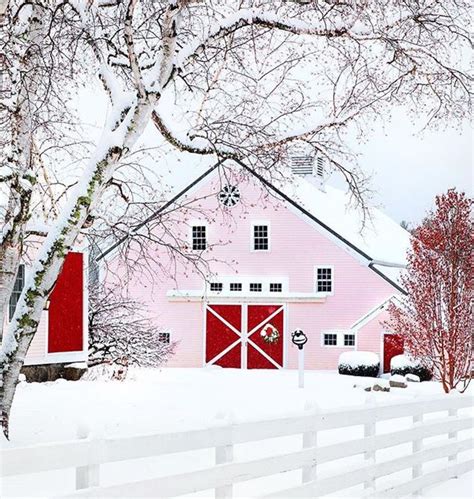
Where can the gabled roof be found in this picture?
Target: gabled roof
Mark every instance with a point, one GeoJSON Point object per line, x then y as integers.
{"type": "Point", "coordinates": [381, 242]}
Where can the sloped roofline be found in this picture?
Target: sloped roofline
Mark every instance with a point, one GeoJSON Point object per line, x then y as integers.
{"type": "Point", "coordinates": [280, 193]}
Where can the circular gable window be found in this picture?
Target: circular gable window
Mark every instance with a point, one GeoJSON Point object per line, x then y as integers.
{"type": "Point", "coordinates": [229, 195]}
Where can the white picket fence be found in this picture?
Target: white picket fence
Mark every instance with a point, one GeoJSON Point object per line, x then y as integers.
{"type": "Point", "coordinates": [87, 455]}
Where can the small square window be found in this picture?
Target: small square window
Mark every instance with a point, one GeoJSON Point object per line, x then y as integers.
{"type": "Point", "coordinates": [164, 338]}
{"type": "Point", "coordinates": [260, 238]}
{"type": "Point", "coordinates": [216, 286]}
{"type": "Point", "coordinates": [324, 280]}
{"type": "Point", "coordinates": [349, 340]}
{"type": "Point", "coordinates": [276, 287]}
{"type": "Point", "coordinates": [256, 286]}
{"type": "Point", "coordinates": [236, 286]}
{"type": "Point", "coordinates": [330, 339]}
{"type": "Point", "coordinates": [199, 237]}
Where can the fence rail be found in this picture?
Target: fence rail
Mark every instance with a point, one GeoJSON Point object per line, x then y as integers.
{"type": "Point", "coordinates": [87, 455]}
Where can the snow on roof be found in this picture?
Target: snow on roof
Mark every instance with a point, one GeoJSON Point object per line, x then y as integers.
{"type": "Point", "coordinates": [381, 238]}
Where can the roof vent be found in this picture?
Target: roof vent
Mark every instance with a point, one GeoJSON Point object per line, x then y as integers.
{"type": "Point", "coordinates": [302, 164]}
{"type": "Point", "coordinates": [320, 167]}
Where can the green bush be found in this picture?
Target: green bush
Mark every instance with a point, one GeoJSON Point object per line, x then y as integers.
{"type": "Point", "coordinates": [422, 372]}
{"type": "Point", "coordinates": [371, 371]}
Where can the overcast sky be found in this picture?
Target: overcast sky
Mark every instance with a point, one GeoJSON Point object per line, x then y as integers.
{"type": "Point", "coordinates": [410, 169]}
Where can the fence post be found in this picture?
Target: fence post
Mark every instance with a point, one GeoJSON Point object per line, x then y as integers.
{"type": "Point", "coordinates": [310, 440]}
{"type": "Point", "coordinates": [416, 446]}
{"type": "Point", "coordinates": [369, 433]}
{"type": "Point", "coordinates": [224, 454]}
{"type": "Point", "coordinates": [452, 435]}
{"type": "Point", "coordinates": [86, 476]}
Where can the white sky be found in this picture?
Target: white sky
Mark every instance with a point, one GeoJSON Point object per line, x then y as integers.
{"type": "Point", "coordinates": [409, 169]}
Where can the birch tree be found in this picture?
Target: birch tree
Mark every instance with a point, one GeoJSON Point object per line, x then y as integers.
{"type": "Point", "coordinates": [241, 80]}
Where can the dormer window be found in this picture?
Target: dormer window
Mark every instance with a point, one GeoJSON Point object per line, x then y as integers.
{"type": "Point", "coordinates": [261, 237]}
{"type": "Point", "coordinates": [324, 280]}
{"type": "Point", "coordinates": [199, 237]}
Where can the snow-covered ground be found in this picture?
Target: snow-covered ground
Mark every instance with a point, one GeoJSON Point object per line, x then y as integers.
{"type": "Point", "coordinates": [180, 399]}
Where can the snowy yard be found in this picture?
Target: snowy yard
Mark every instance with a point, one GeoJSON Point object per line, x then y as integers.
{"type": "Point", "coordinates": [181, 399]}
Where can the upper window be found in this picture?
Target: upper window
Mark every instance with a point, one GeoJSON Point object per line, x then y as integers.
{"type": "Point", "coordinates": [216, 286]}
{"type": "Point", "coordinates": [229, 195]}
{"type": "Point", "coordinates": [17, 289]}
{"type": "Point", "coordinates": [276, 287]}
{"type": "Point", "coordinates": [324, 280]}
{"type": "Point", "coordinates": [261, 238]}
{"type": "Point", "coordinates": [255, 286]}
{"type": "Point", "coordinates": [199, 237]}
{"type": "Point", "coordinates": [236, 286]}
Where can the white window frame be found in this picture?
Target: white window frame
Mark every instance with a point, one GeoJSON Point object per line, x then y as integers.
{"type": "Point", "coordinates": [343, 339]}
{"type": "Point", "coordinates": [218, 283]}
{"type": "Point", "coordinates": [24, 270]}
{"type": "Point", "coordinates": [198, 223]}
{"type": "Point", "coordinates": [339, 338]}
{"type": "Point", "coordinates": [330, 346]}
{"type": "Point", "coordinates": [325, 293]}
{"type": "Point", "coordinates": [252, 237]}
{"type": "Point", "coordinates": [169, 334]}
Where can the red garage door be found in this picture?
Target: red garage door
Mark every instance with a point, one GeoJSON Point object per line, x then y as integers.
{"type": "Point", "coordinates": [392, 345]}
{"type": "Point", "coordinates": [234, 336]}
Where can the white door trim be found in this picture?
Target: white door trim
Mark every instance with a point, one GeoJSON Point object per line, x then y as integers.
{"type": "Point", "coordinates": [244, 334]}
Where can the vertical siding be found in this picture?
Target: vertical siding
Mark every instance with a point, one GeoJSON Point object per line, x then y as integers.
{"type": "Point", "coordinates": [296, 248]}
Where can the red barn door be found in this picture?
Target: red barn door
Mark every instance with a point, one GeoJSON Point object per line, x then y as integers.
{"type": "Point", "coordinates": [392, 345]}
{"type": "Point", "coordinates": [233, 336]}
{"type": "Point", "coordinates": [66, 305]}
{"type": "Point", "coordinates": [224, 335]}
{"type": "Point", "coordinates": [262, 355]}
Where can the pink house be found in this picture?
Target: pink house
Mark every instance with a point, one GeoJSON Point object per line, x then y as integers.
{"type": "Point", "coordinates": [274, 258]}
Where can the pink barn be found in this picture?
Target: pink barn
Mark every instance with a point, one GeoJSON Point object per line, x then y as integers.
{"type": "Point", "coordinates": [279, 258]}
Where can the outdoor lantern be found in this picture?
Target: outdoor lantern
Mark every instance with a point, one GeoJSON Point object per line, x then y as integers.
{"type": "Point", "coordinates": [299, 338]}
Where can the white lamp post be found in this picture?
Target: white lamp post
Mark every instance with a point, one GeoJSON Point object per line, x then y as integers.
{"type": "Point", "coordinates": [299, 339]}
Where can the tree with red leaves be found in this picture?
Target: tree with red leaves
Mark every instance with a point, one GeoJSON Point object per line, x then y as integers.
{"type": "Point", "coordinates": [435, 318]}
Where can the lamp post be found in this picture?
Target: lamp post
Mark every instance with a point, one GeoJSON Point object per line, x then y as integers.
{"type": "Point", "coordinates": [299, 339]}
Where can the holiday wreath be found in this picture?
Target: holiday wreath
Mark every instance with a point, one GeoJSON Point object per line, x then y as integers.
{"type": "Point", "coordinates": [270, 334]}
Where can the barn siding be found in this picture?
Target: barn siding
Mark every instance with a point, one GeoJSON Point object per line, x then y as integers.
{"type": "Point", "coordinates": [296, 248]}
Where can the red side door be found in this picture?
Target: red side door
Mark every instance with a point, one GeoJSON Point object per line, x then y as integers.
{"type": "Point", "coordinates": [66, 306]}
{"type": "Point", "coordinates": [392, 345]}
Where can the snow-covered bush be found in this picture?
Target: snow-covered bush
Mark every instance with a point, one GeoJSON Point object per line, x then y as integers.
{"type": "Point", "coordinates": [359, 364]}
{"type": "Point", "coordinates": [404, 364]}
{"type": "Point", "coordinates": [121, 334]}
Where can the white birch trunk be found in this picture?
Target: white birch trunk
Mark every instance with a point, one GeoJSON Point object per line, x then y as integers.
{"type": "Point", "coordinates": [24, 49]}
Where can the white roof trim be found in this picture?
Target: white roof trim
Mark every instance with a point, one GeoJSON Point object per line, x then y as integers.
{"type": "Point", "coordinates": [193, 295]}
{"type": "Point", "coordinates": [372, 314]}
